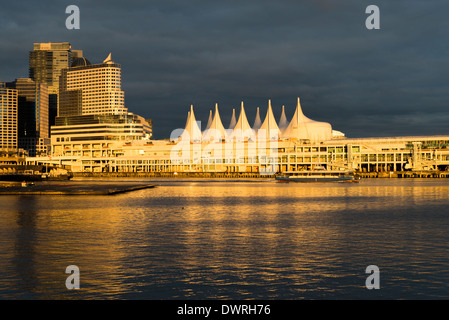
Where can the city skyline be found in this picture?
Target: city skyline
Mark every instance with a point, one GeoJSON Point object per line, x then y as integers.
{"type": "Point", "coordinates": [386, 82]}
{"type": "Point", "coordinates": [224, 151]}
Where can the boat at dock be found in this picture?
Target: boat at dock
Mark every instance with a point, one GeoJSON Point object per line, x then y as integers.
{"type": "Point", "coordinates": [319, 176]}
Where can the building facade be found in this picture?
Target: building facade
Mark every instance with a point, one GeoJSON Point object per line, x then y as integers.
{"type": "Point", "coordinates": [46, 61]}
{"type": "Point", "coordinates": [92, 118]}
{"type": "Point", "coordinates": [87, 88]}
{"type": "Point", "coordinates": [300, 145]}
{"type": "Point", "coordinates": [97, 135]}
{"type": "Point", "coordinates": [33, 116]}
{"type": "Point", "coordinates": [8, 119]}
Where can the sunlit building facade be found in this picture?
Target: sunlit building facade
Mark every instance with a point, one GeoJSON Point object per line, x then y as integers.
{"type": "Point", "coordinates": [266, 148]}
{"type": "Point", "coordinates": [46, 61]}
{"type": "Point", "coordinates": [97, 135]}
{"type": "Point", "coordinates": [87, 88]}
{"type": "Point", "coordinates": [8, 119]}
{"type": "Point", "coordinates": [92, 118]}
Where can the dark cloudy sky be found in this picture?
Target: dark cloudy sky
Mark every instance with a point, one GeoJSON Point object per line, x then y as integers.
{"type": "Point", "coordinates": [174, 53]}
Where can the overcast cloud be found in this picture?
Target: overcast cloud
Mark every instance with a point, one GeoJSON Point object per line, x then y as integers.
{"type": "Point", "coordinates": [392, 81]}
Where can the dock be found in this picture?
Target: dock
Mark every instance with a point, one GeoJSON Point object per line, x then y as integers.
{"type": "Point", "coordinates": [72, 189]}
{"type": "Point", "coordinates": [406, 174]}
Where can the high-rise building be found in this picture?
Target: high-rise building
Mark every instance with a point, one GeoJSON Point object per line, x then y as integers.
{"type": "Point", "coordinates": [46, 61]}
{"type": "Point", "coordinates": [87, 88]}
{"type": "Point", "coordinates": [92, 118]}
{"type": "Point", "coordinates": [33, 119]}
{"type": "Point", "coordinates": [8, 119]}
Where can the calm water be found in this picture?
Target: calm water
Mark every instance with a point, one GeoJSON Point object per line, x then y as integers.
{"type": "Point", "coordinates": [231, 240]}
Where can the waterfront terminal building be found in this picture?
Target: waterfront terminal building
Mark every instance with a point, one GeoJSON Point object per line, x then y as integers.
{"type": "Point", "coordinates": [95, 133]}
{"type": "Point", "coordinates": [121, 144]}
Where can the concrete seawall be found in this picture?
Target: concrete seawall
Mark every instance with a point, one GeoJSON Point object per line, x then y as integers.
{"type": "Point", "coordinates": [172, 175]}
{"type": "Point", "coordinates": [236, 175]}
{"type": "Point", "coordinates": [406, 174]}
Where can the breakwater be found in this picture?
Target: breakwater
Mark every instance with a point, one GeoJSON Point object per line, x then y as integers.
{"type": "Point", "coordinates": [70, 189]}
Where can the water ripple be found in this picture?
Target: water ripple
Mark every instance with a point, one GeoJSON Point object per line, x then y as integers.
{"type": "Point", "coordinates": [231, 240]}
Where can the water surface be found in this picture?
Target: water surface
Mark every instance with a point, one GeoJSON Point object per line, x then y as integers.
{"type": "Point", "coordinates": [208, 239]}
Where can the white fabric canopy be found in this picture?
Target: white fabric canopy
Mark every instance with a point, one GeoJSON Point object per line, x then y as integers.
{"type": "Point", "coordinates": [192, 131]}
{"type": "Point", "coordinates": [216, 131]}
{"type": "Point", "coordinates": [209, 121]}
{"type": "Point", "coordinates": [233, 121]}
{"type": "Point", "coordinates": [242, 130]}
{"type": "Point", "coordinates": [301, 127]}
{"type": "Point", "coordinates": [283, 123]}
{"type": "Point", "coordinates": [269, 129]}
{"type": "Point", "coordinates": [257, 121]}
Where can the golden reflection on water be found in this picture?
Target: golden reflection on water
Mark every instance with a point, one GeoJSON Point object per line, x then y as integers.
{"type": "Point", "coordinates": [51, 234]}
{"type": "Point", "coordinates": [210, 239]}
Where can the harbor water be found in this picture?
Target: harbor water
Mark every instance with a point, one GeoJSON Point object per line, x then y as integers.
{"type": "Point", "coordinates": [226, 239]}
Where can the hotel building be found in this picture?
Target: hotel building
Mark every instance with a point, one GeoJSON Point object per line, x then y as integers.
{"type": "Point", "coordinates": [91, 89]}
{"type": "Point", "coordinates": [92, 117]}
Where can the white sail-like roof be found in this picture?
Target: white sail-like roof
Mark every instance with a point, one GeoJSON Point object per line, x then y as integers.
{"type": "Point", "coordinates": [209, 121]}
{"type": "Point", "coordinates": [233, 121]}
{"type": "Point", "coordinates": [216, 131]}
{"type": "Point", "coordinates": [301, 127]}
{"type": "Point", "coordinates": [192, 131]}
{"type": "Point", "coordinates": [242, 130]}
{"type": "Point", "coordinates": [269, 129]}
{"type": "Point", "coordinates": [257, 121]}
{"type": "Point", "coordinates": [283, 123]}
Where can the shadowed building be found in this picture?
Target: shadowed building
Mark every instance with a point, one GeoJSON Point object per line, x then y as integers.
{"type": "Point", "coordinates": [32, 115]}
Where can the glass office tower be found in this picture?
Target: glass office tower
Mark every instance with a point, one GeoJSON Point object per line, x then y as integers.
{"type": "Point", "coordinates": [46, 61]}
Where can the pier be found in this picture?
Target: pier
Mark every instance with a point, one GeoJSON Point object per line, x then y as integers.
{"type": "Point", "coordinates": [406, 174]}
{"type": "Point", "coordinates": [72, 189]}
